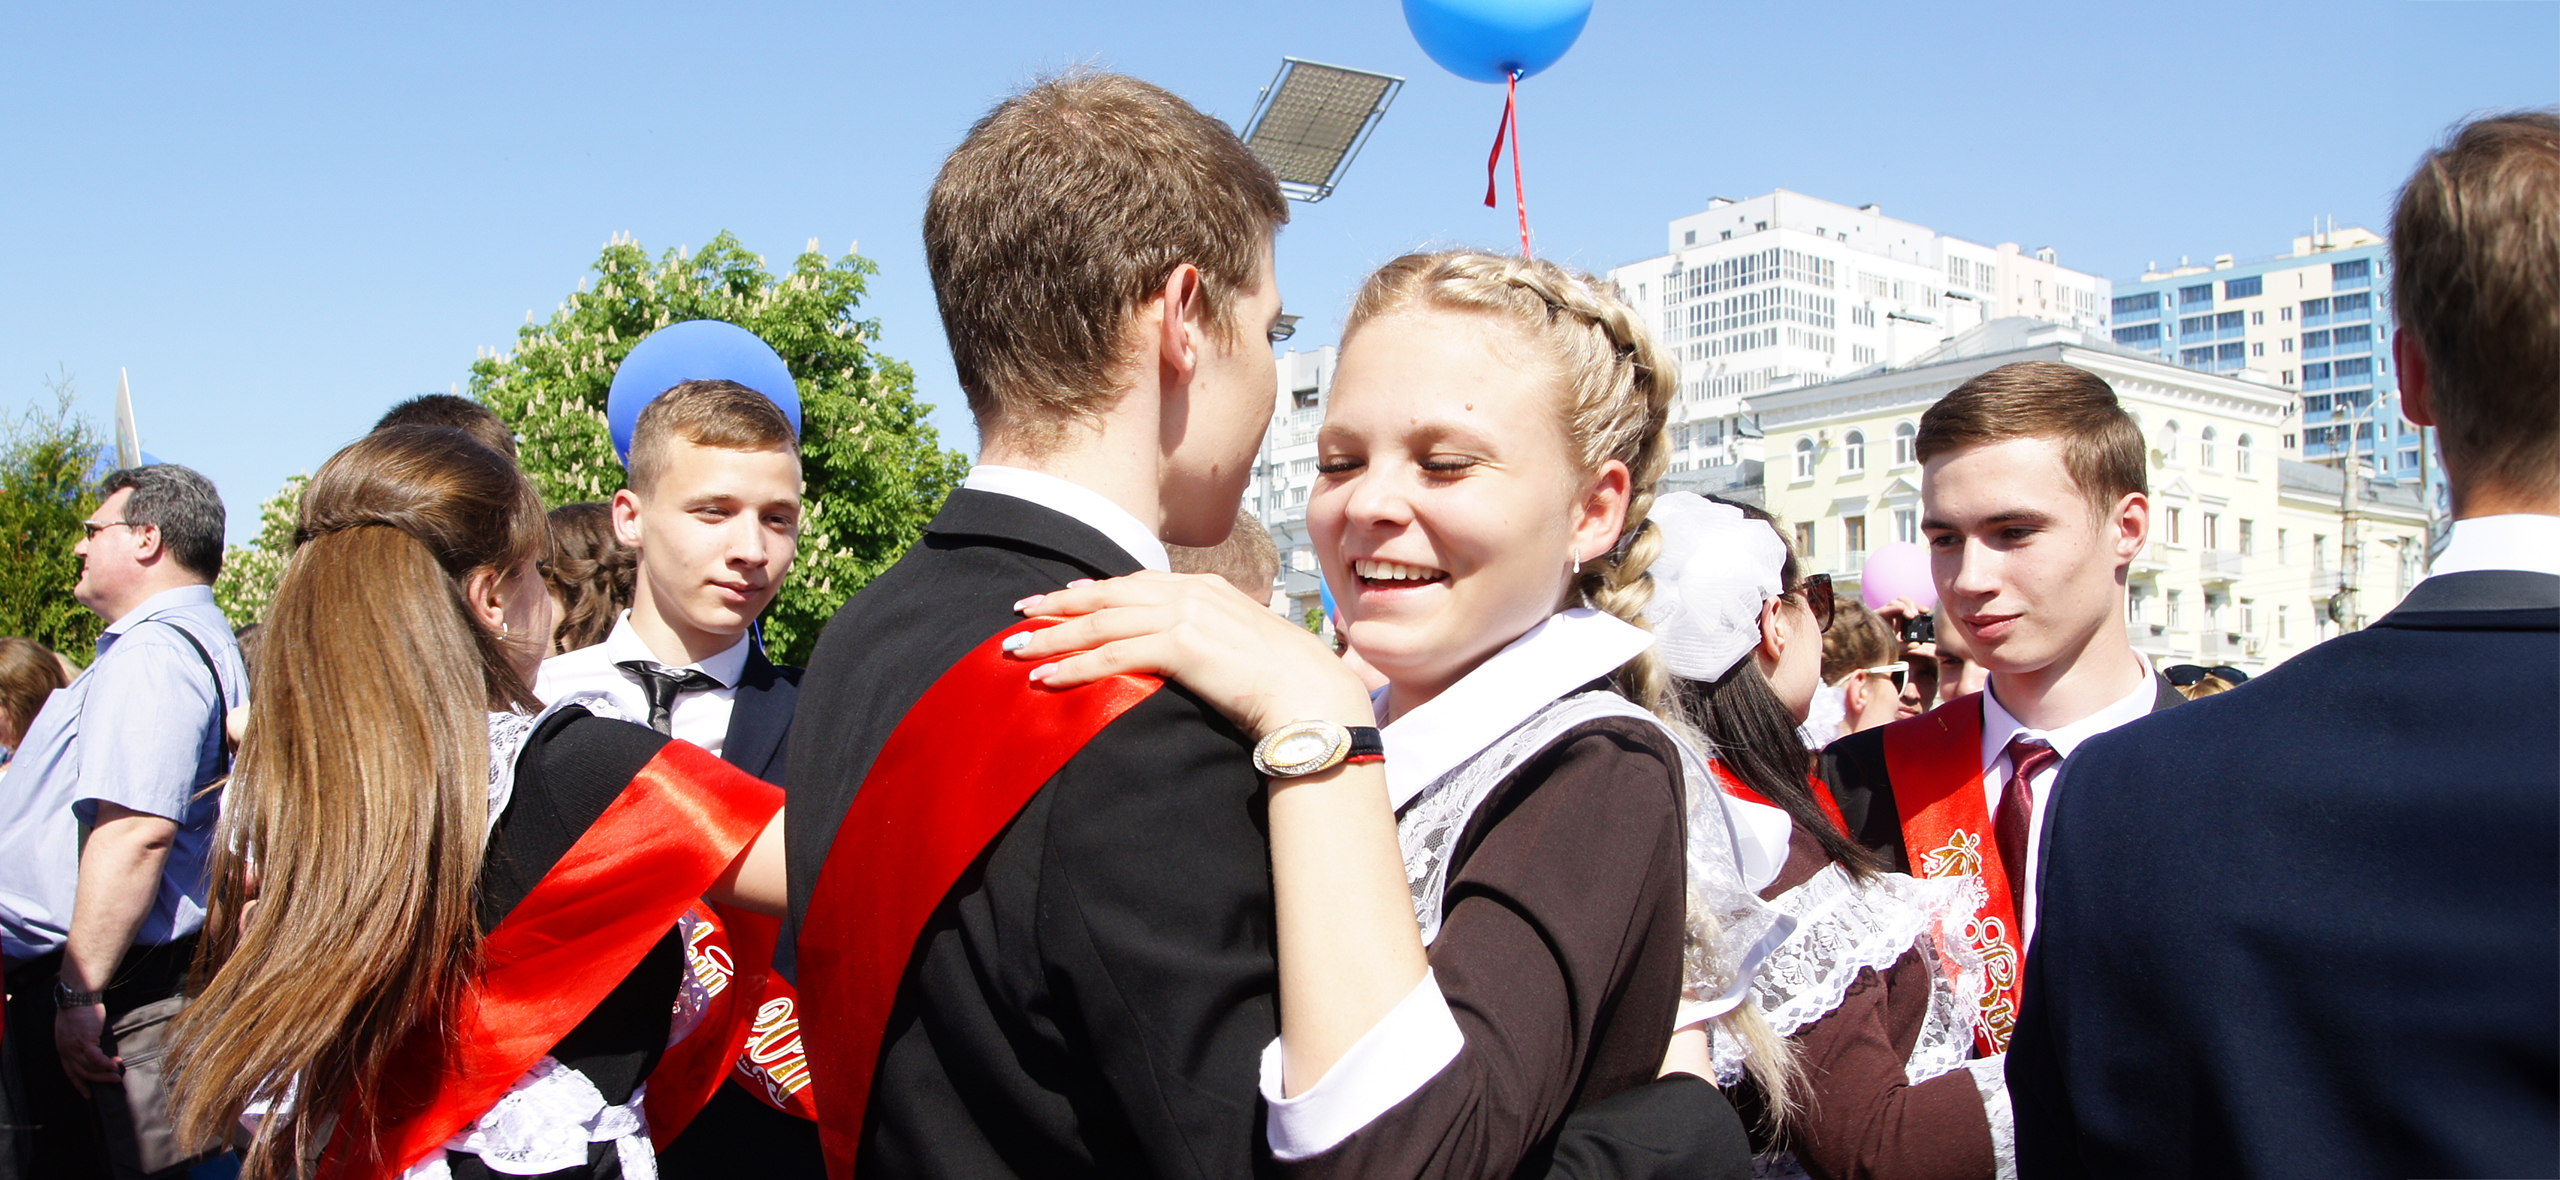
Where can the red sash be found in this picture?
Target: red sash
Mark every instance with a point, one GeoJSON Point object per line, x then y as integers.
{"type": "Point", "coordinates": [679, 825]}
{"type": "Point", "coordinates": [773, 1065]}
{"type": "Point", "coordinates": [1821, 794]}
{"type": "Point", "coordinates": [1935, 762]}
{"type": "Point", "coordinates": [961, 764]}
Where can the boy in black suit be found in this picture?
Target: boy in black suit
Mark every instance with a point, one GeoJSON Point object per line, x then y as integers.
{"type": "Point", "coordinates": [2311, 926]}
{"type": "Point", "coordinates": [712, 514]}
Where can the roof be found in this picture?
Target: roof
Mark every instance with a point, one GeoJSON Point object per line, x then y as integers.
{"type": "Point", "coordinates": [2293, 475]}
{"type": "Point", "coordinates": [2017, 334]}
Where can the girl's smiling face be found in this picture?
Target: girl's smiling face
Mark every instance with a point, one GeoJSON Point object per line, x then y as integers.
{"type": "Point", "coordinates": [1451, 506]}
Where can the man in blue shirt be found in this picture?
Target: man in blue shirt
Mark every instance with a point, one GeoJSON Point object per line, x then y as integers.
{"type": "Point", "coordinates": [94, 931]}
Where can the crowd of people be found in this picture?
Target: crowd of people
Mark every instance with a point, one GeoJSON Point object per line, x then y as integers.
{"type": "Point", "coordinates": [1597, 840]}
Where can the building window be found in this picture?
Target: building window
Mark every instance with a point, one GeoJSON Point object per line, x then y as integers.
{"type": "Point", "coordinates": [2249, 616]}
{"type": "Point", "coordinates": [2257, 319]}
{"type": "Point", "coordinates": [1804, 538]}
{"type": "Point", "coordinates": [2213, 531]}
{"type": "Point", "coordinates": [2285, 345]}
{"type": "Point", "coordinates": [2177, 519]}
{"type": "Point", "coordinates": [2243, 288]}
{"type": "Point", "coordinates": [1904, 436]}
{"type": "Point", "coordinates": [2284, 621]}
{"type": "Point", "coordinates": [1804, 458]}
{"type": "Point", "coordinates": [1853, 452]}
{"type": "Point", "coordinates": [2350, 272]}
{"type": "Point", "coordinates": [2319, 553]}
{"type": "Point", "coordinates": [1853, 535]}
{"type": "Point", "coordinates": [2196, 296]}
{"type": "Point", "coordinates": [2177, 612]}
{"type": "Point", "coordinates": [2258, 349]}
{"type": "Point", "coordinates": [2205, 448]}
{"type": "Point", "coordinates": [2169, 442]}
{"type": "Point", "coordinates": [2240, 459]}
{"type": "Point", "coordinates": [2284, 547]}
{"type": "Point", "coordinates": [2248, 537]}
{"type": "Point", "coordinates": [1690, 238]}
{"type": "Point", "coordinates": [1906, 525]}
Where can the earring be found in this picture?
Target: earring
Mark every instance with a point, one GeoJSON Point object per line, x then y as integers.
{"type": "Point", "coordinates": [1577, 565]}
{"type": "Point", "coordinates": [506, 630]}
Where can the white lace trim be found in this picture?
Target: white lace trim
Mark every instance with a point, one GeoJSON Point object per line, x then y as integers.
{"type": "Point", "coordinates": [507, 734]}
{"type": "Point", "coordinates": [1844, 926]}
{"type": "Point", "coordinates": [544, 1124]}
{"type": "Point", "coordinates": [1991, 1078]}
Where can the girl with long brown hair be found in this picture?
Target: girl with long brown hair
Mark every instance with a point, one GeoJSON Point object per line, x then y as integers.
{"type": "Point", "coordinates": [1498, 922]}
{"type": "Point", "coordinates": [402, 805]}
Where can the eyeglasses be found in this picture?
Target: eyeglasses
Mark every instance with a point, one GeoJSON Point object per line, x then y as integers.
{"type": "Point", "coordinates": [91, 528]}
{"type": "Point", "coordinates": [2188, 675]}
{"type": "Point", "coordinates": [1817, 598]}
{"type": "Point", "coordinates": [1900, 672]}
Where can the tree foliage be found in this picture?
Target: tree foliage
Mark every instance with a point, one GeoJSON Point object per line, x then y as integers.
{"type": "Point", "coordinates": [48, 485]}
{"type": "Point", "coordinates": [873, 469]}
{"type": "Point", "coordinates": [251, 572]}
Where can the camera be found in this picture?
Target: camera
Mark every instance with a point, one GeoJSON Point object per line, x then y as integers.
{"type": "Point", "coordinates": [1920, 629]}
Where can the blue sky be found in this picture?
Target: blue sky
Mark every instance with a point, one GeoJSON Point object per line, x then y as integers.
{"type": "Point", "coordinates": [281, 220]}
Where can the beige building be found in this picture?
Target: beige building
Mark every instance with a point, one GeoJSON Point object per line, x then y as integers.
{"type": "Point", "coordinates": [2248, 550]}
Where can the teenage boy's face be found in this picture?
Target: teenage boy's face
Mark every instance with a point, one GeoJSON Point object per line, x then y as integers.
{"type": "Point", "coordinates": [1229, 408]}
{"type": "Point", "coordinates": [715, 535]}
{"type": "Point", "coordinates": [2028, 570]}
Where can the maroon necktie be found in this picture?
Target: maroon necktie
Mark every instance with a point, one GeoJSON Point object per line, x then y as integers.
{"type": "Point", "coordinates": [2017, 813]}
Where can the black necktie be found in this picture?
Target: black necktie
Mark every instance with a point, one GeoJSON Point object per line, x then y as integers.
{"type": "Point", "coordinates": [663, 685]}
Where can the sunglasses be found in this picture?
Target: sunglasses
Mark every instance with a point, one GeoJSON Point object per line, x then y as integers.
{"type": "Point", "coordinates": [91, 528]}
{"type": "Point", "coordinates": [1900, 672]}
{"type": "Point", "coordinates": [1816, 589]}
{"type": "Point", "coordinates": [2188, 675]}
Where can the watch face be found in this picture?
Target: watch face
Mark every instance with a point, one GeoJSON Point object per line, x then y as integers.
{"type": "Point", "coordinates": [1300, 748]}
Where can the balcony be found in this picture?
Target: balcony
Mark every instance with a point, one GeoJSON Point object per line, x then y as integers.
{"type": "Point", "coordinates": [1846, 567]}
{"type": "Point", "coordinates": [2220, 566]}
{"type": "Point", "coordinates": [2149, 563]}
{"type": "Point", "coordinates": [2150, 639]}
{"type": "Point", "coordinates": [2221, 647]}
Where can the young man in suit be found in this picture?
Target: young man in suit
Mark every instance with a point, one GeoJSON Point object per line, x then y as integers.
{"type": "Point", "coordinates": [2035, 501]}
{"type": "Point", "coordinates": [712, 514]}
{"type": "Point", "coordinates": [2311, 926]}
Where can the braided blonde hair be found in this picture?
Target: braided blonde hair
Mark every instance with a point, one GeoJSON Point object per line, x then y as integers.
{"type": "Point", "coordinates": [1618, 383]}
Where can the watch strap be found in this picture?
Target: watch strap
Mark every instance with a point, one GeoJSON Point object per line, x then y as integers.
{"type": "Point", "coordinates": [64, 997]}
{"type": "Point", "coordinates": [1367, 745]}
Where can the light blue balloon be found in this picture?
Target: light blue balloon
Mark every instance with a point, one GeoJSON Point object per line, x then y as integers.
{"type": "Point", "coordinates": [695, 350]}
{"type": "Point", "coordinates": [1486, 40]}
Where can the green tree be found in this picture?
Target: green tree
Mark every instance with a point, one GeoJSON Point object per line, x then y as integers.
{"type": "Point", "coordinates": [47, 464]}
{"type": "Point", "coordinates": [873, 469]}
{"type": "Point", "coordinates": [251, 572]}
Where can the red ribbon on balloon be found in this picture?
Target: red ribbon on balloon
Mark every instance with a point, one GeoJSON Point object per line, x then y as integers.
{"type": "Point", "coordinates": [1509, 129]}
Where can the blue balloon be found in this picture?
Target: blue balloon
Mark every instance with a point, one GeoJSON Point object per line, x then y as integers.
{"type": "Point", "coordinates": [695, 350]}
{"type": "Point", "coordinates": [1486, 40]}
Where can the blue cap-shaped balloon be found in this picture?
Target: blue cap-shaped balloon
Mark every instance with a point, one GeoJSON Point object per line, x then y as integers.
{"type": "Point", "coordinates": [1489, 40]}
{"type": "Point", "coordinates": [695, 350]}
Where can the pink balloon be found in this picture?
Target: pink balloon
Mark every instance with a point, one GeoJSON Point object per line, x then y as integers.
{"type": "Point", "coordinates": [1897, 570]}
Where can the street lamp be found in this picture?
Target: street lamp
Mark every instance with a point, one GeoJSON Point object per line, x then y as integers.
{"type": "Point", "coordinates": [1310, 122]}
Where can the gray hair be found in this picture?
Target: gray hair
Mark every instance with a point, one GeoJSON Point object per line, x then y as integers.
{"type": "Point", "coordinates": [182, 505]}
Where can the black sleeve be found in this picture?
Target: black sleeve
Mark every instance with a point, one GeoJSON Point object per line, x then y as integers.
{"type": "Point", "coordinates": [1854, 768]}
{"type": "Point", "coordinates": [1156, 930]}
{"type": "Point", "coordinates": [1679, 1128]}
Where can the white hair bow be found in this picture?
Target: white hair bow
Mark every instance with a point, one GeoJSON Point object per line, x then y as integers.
{"type": "Point", "coordinates": [1717, 567]}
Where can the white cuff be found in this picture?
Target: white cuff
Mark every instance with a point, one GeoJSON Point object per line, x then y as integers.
{"type": "Point", "coordinates": [1990, 1077]}
{"type": "Point", "coordinates": [1408, 1047]}
{"type": "Point", "coordinates": [1694, 1011]}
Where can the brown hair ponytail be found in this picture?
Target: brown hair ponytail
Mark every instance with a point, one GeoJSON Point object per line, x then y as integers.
{"type": "Point", "coordinates": [360, 799]}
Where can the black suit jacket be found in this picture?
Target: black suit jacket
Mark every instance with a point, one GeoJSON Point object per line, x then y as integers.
{"type": "Point", "coordinates": [1094, 995]}
{"type": "Point", "coordinates": [2311, 926]}
{"type": "Point", "coordinates": [759, 737]}
{"type": "Point", "coordinates": [1854, 768]}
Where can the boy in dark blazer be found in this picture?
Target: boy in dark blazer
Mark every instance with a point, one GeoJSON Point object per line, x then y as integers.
{"type": "Point", "coordinates": [2311, 926]}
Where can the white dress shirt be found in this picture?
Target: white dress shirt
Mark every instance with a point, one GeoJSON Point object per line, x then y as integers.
{"type": "Point", "coordinates": [1078, 502]}
{"type": "Point", "coordinates": [2526, 541]}
{"type": "Point", "coordinates": [1999, 728]}
{"type": "Point", "coordinates": [701, 718]}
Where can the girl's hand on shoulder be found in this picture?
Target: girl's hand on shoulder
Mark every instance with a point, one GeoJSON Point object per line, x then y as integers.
{"type": "Point", "coordinates": [1250, 664]}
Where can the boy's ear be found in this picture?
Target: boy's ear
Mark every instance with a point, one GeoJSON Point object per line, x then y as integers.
{"type": "Point", "coordinates": [626, 518]}
{"type": "Point", "coordinates": [1180, 330]}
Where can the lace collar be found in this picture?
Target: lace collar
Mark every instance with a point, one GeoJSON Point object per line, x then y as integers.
{"type": "Point", "coordinates": [508, 733]}
{"type": "Point", "coordinates": [1572, 648]}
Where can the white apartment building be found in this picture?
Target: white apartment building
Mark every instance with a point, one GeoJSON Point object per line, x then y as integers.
{"type": "Point", "coordinates": [1284, 472]}
{"type": "Point", "coordinates": [1786, 290]}
{"type": "Point", "coordinates": [2248, 552]}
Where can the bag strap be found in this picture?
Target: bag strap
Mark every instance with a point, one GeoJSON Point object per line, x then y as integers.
{"type": "Point", "coordinates": [221, 715]}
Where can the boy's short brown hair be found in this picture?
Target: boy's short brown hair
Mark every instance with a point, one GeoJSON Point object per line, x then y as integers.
{"type": "Point", "coordinates": [2101, 444]}
{"type": "Point", "coordinates": [2475, 247]}
{"type": "Point", "coordinates": [721, 414]}
{"type": "Point", "coordinates": [460, 413]}
{"type": "Point", "coordinates": [1247, 559]}
{"type": "Point", "coordinates": [1059, 213]}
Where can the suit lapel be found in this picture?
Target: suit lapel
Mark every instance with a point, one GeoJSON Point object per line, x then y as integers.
{"type": "Point", "coordinates": [759, 716]}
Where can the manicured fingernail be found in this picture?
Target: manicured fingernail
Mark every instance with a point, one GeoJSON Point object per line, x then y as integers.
{"type": "Point", "coordinates": [1017, 607]}
{"type": "Point", "coordinates": [1041, 673]}
{"type": "Point", "coordinates": [1079, 582]}
{"type": "Point", "coordinates": [1017, 641]}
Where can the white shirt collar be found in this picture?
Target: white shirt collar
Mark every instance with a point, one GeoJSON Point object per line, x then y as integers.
{"type": "Point", "coordinates": [1085, 505]}
{"type": "Point", "coordinates": [1999, 728]}
{"type": "Point", "coordinates": [2512, 541]}
{"type": "Point", "coordinates": [725, 666]}
{"type": "Point", "coordinates": [191, 594]}
{"type": "Point", "coordinates": [1568, 650]}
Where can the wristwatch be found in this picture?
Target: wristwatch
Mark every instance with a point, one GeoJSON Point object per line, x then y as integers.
{"type": "Point", "coordinates": [1308, 747]}
{"type": "Point", "coordinates": [65, 998]}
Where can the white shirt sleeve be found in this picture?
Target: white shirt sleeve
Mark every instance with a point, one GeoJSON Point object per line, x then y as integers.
{"type": "Point", "coordinates": [1408, 1047]}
